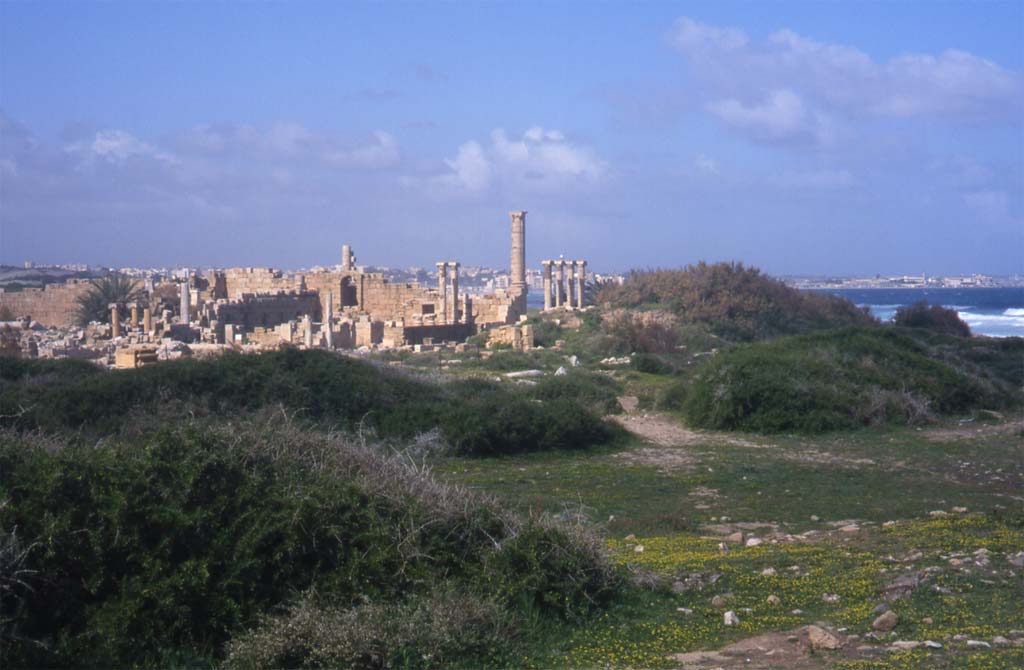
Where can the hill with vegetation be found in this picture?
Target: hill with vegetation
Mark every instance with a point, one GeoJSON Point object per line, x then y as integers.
{"type": "Point", "coordinates": [733, 301]}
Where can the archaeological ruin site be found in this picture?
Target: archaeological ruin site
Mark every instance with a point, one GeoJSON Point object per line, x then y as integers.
{"type": "Point", "coordinates": [260, 308]}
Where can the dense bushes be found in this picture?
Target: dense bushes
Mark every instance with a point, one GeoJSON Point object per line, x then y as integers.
{"type": "Point", "coordinates": [312, 386]}
{"type": "Point", "coordinates": [154, 550]}
{"type": "Point", "coordinates": [734, 301]}
{"type": "Point", "coordinates": [932, 317]}
{"type": "Point", "coordinates": [832, 380]}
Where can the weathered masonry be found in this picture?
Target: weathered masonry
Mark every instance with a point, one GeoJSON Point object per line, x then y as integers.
{"type": "Point", "coordinates": [564, 283]}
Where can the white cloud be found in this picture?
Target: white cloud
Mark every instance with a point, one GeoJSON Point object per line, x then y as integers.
{"type": "Point", "coordinates": [839, 79]}
{"type": "Point", "coordinates": [471, 169]}
{"type": "Point", "coordinates": [539, 157]}
{"type": "Point", "coordinates": [382, 152]}
{"type": "Point", "coordinates": [115, 146]}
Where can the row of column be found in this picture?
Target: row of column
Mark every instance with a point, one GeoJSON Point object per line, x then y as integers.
{"type": "Point", "coordinates": [115, 319]}
{"type": "Point", "coordinates": [558, 290]}
{"type": "Point", "coordinates": [448, 289]}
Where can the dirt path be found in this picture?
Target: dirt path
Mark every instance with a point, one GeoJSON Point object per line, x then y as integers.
{"type": "Point", "coordinates": [666, 431]}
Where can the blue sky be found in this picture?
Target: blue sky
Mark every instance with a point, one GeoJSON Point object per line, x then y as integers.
{"type": "Point", "coordinates": [799, 137]}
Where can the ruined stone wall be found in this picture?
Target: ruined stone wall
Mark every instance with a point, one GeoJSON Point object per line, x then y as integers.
{"type": "Point", "coordinates": [52, 305]}
{"type": "Point", "coordinates": [239, 281]}
{"type": "Point", "coordinates": [267, 311]}
{"type": "Point", "coordinates": [386, 301]}
{"type": "Point", "coordinates": [497, 308]}
{"type": "Point", "coordinates": [448, 333]}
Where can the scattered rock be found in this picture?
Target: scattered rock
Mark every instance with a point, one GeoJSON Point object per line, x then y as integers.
{"type": "Point", "coordinates": [773, 600]}
{"type": "Point", "coordinates": [796, 612]}
{"type": "Point", "coordinates": [519, 374]}
{"type": "Point", "coordinates": [960, 510]}
{"type": "Point", "coordinates": [849, 528]}
{"type": "Point", "coordinates": [932, 644]}
{"type": "Point", "coordinates": [768, 572]}
{"type": "Point", "coordinates": [815, 517]}
{"type": "Point", "coordinates": [718, 602]}
{"type": "Point", "coordinates": [730, 618]}
{"type": "Point", "coordinates": [938, 512]}
{"type": "Point", "coordinates": [639, 549]}
{"type": "Point", "coordinates": [905, 644]}
{"type": "Point", "coordinates": [631, 538]}
{"type": "Point", "coordinates": [684, 610]}
{"type": "Point", "coordinates": [830, 598]}
{"type": "Point", "coordinates": [820, 638]}
{"type": "Point", "coordinates": [1016, 559]}
{"type": "Point", "coordinates": [927, 621]}
{"type": "Point", "coordinates": [901, 587]}
{"type": "Point", "coordinates": [978, 644]}
{"type": "Point", "coordinates": [679, 587]}
{"type": "Point", "coordinates": [881, 608]}
{"type": "Point", "coordinates": [886, 622]}
{"type": "Point", "coordinates": [754, 541]}
{"type": "Point", "coordinates": [1000, 641]}
{"type": "Point", "coordinates": [561, 372]}
{"type": "Point", "coordinates": [628, 403]}
{"type": "Point", "coordinates": [735, 538]}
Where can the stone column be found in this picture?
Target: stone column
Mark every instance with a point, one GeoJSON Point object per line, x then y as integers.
{"type": "Point", "coordinates": [455, 290]}
{"type": "Point", "coordinates": [135, 317]}
{"type": "Point", "coordinates": [558, 283]}
{"type": "Point", "coordinates": [147, 320]}
{"type": "Point", "coordinates": [307, 335]}
{"type": "Point", "coordinates": [442, 289]}
{"type": "Point", "coordinates": [185, 303]}
{"type": "Point", "coordinates": [581, 272]}
{"type": "Point", "coordinates": [547, 284]}
{"type": "Point", "coordinates": [517, 281]}
{"type": "Point", "coordinates": [115, 321]}
{"type": "Point", "coordinates": [328, 318]}
{"type": "Point", "coordinates": [347, 260]}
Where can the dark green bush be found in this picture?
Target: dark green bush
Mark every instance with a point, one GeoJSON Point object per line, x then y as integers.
{"type": "Point", "coordinates": [312, 386]}
{"type": "Point", "coordinates": [932, 317]}
{"type": "Point", "coordinates": [158, 550]}
{"type": "Point", "coordinates": [832, 380]}
{"type": "Point", "coordinates": [651, 364]}
{"type": "Point", "coordinates": [733, 301]}
{"type": "Point", "coordinates": [596, 391]}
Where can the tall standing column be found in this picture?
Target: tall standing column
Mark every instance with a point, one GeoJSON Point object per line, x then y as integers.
{"type": "Point", "coordinates": [558, 283]}
{"type": "Point", "coordinates": [185, 303]}
{"type": "Point", "coordinates": [442, 289]}
{"type": "Point", "coordinates": [347, 260]}
{"type": "Point", "coordinates": [581, 271]}
{"type": "Point", "coordinates": [135, 317]}
{"type": "Point", "coordinates": [147, 320]}
{"type": "Point", "coordinates": [455, 291]}
{"type": "Point", "coordinates": [328, 318]}
{"type": "Point", "coordinates": [307, 335]}
{"type": "Point", "coordinates": [517, 283]}
{"type": "Point", "coordinates": [567, 276]}
{"type": "Point", "coordinates": [115, 321]}
{"type": "Point", "coordinates": [547, 284]}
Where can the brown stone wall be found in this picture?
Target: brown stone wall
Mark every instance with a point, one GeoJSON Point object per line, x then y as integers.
{"type": "Point", "coordinates": [267, 311]}
{"type": "Point", "coordinates": [53, 305]}
{"type": "Point", "coordinates": [387, 301]}
{"type": "Point", "coordinates": [239, 281]}
{"type": "Point", "coordinates": [499, 308]}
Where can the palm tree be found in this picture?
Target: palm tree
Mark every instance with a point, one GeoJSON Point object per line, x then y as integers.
{"type": "Point", "coordinates": [94, 304]}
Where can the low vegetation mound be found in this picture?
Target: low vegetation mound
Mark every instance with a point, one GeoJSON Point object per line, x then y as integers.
{"type": "Point", "coordinates": [935, 318]}
{"type": "Point", "coordinates": [843, 379]}
{"type": "Point", "coordinates": [159, 550]}
{"type": "Point", "coordinates": [734, 301]}
{"type": "Point", "coordinates": [473, 417]}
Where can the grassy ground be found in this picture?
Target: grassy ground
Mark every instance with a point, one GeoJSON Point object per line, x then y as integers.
{"type": "Point", "coordinates": [677, 495]}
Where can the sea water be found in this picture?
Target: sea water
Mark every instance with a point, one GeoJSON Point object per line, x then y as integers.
{"type": "Point", "coordinates": [996, 312]}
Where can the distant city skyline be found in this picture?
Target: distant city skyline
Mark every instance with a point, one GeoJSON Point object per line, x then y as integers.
{"type": "Point", "coordinates": [802, 138]}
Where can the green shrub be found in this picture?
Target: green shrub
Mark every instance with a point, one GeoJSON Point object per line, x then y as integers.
{"type": "Point", "coordinates": [832, 380]}
{"type": "Point", "coordinates": [312, 386]}
{"type": "Point", "coordinates": [596, 391]}
{"type": "Point", "coordinates": [672, 397]}
{"type": "Point", "coordinates": [932, 317]}
{"type": "Point", "coordinates": [735, 302]}
{"type": "Point", "coordinates": [158, 550]}
{"type": "Point", "coordinates": [425, 632]}
{"type": "Point", "coordinates": [651, 364]}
